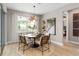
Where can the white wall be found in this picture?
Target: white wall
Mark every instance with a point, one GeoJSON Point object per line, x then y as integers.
{"type": "Point", "coordinates": [58, 38]}
{"type": "Point", "coordinates": [59, 25]}
{"type": "Point", "coordinates": [11, 27]}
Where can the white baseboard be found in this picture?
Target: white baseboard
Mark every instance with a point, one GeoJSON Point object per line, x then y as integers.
{"type": "Point", "coordinates": [58, 43]}
{"type": "Point", "coordinates": [74, 42]}
{"type": "Point", "coordinates": [10, 42]}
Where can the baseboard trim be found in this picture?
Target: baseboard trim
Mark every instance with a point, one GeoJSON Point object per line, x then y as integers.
{"type": "Point", "coordinates": [10, 42]}
{"type": "Point", "coordinates": [73, 42]}
{"type": "Point", "coordinates": [57, 43]}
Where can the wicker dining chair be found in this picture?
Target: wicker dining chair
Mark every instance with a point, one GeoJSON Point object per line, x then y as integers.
{"type": "Point", "coordinates": [23, 43]}
{"type": "Point", "coordinates": [43, 43]}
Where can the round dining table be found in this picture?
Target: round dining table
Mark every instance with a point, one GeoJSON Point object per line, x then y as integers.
{"type": "Point", "coordinates": [32, 36]}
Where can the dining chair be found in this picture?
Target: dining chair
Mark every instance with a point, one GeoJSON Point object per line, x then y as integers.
{"type": "Point", "coordinates": [23, 43]}
{"type": "Point", "coordinates": [43, 43]}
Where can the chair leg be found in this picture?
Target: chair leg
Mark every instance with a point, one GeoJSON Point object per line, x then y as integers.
{"type": "Point", "coordinates": [42, 50]}
{"type": "Point", "coordinates": [42, 53]}
{"type": "Point", "coordinates": [19, 46]}
{"type": "Point", "coordinates": [23, 49]}
{"type": "Point", "coordinates": [48, 48]}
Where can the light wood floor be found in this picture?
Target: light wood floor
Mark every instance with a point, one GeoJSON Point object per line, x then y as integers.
{"type": "Point", "coordinates": [68, 49]}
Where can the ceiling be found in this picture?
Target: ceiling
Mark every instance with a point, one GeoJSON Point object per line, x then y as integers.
{"type": "Point", "coordinates": [41, 8]}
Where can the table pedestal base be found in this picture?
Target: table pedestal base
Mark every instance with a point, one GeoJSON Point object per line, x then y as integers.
{"type": "Point", "coordinates": [35, 45]}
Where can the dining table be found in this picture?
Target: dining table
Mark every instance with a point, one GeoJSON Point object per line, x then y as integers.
{"type": "Point", "coordinates": [33, 38]}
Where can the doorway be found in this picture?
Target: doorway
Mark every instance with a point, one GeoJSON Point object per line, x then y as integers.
{"type": "Point", "coordinates": [65, 26]}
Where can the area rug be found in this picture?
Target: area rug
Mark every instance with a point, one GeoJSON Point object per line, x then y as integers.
{"type": "Point", "coordinates": [36, 52]}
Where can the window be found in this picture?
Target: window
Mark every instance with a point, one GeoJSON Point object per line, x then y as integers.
{"type": "Point", "coordinates": [25, 25]}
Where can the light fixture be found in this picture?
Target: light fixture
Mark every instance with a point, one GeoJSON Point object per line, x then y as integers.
{"type": "Point", "coordinates": [33, 17]}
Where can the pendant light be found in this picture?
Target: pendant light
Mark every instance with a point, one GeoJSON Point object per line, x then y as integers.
{"type": "Point", "coordinates": [33, 17]}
